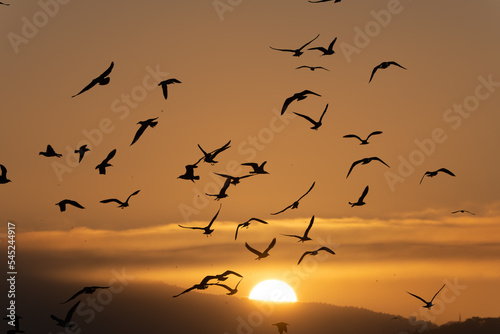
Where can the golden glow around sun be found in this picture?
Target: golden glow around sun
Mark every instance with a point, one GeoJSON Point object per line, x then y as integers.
{"type": "Point", "coordinates": [273, 290]}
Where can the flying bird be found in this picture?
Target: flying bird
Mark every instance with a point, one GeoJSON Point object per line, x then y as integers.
{"type": "Point", "coordinates": [5, 4]}
{"type": "Point", "coordinates": [363, 141]}
{"type": "Point", "coordinates": [189, 174]}
{"type": "Point", "coordinates": [282, 326]}
{"type": "Point", "coordinates": [464, 211]}
{"type": "Point", "coordinates": [312, 68]}
{"type": "Point", "coordinates": [102, 79]}
{"type": "Point", "coordinates": [122, 204]}
{"type": "Point", "coordinates": [207, 229]}
{"type": "Point", "coordinates": [232, 291]}
{"type": "Point", "coordinates": [3, 175]}
{"type": "Point", "coordinates": [164, 85]}
{"type": "Point", "coordinates": [87, 290]}
{"type": "Point", "coordinates": [246, 224]}
{"type": "Point", "coordinates": [144, 125]}
{"type": "Point", "coordinates": [364, 162]}
{"type": "Point", "coordinates": [49, 152]}
{"type": "Point", "coordinates": [81, 152]}
{"type": "Point", "coordinates": [222, 192]}
{"type": "Point", "coordinates": [360, 199]}
{"type": "Point", "coordinates": [434, 173]}
{"type": "Point", "coordinates": [265, 253]}
{"type": "Point", "coordinates": [67, 320]}
{"type": "Point", "coordinates": [257, 169]}
{"type": "Point", "coordinates": [223, 276]}
{"type": "Point", "coordinates": [324, 1]}
{"type": "Point", "coordinates": [210, 156]}
{"type": "Point", "coordinates": [428, 305]}
{"type": "Point", "coordinates": [316, 124]}
{"type": "Point", "coordinates": [62, 204]}
{"type": "Point", "coordinates": [296, 97]}
{"type": "Point", "coordinates": [295, 204]}
{"type": "Point", "coordinates": [305, 237]}
{"type": "Point", "coordinates": [316, 252]}
{"type": "Point", "coordinates": [203, 285]}
{"type": "Point", "coordinates": [326, 51]}
{"type": "Point", "coordinates": [105, 163]}
{"type": "Point", "coordinates": [296, 52]}
{"type": "Point", "coordinates": [384, 65]}
{"type": "Point", "coordinates": [234, 180]}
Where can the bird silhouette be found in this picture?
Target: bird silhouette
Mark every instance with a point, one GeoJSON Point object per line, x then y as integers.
{"type": "Point", "coordinates": [296, 52]}
{"type": "Point", "coordinates": [3, 175]}
{"type": "Point", "coordinates": [222, 192]}
{"type": "Point", "coordinates": [434, 173]}
{"type": "Point", "coordinates": [464, 211]}
{"type": "Point", "coordinates": [315, 252]}
{"type": "Point", "coordinates": [326, 51]}
{"type": "Point", "coordinates": [203, 285]}
{"type": "Point", "coordinates": [384, 65]}
{"type": "Point", "coordinates": [265, 253]}
{"type": "Point", "coordinates": [363, 141]}
{"type": "Point", "coordinates": [324, 1]}
{"type": "Point", "coordinates": [257, 169]}
{"type": "Point", "coordinates": [49, 152]}
{"type": "Point", "coordinates": [316, 124]}
{"type": "Point", "coordinates": [232, 291]}
{"type": "Point", "coordinates": [364, 162]}
{"type": "Point", "coordinates": [5, 4]}
{"type": "Point", "coordinates": [304, 237]}
{"type": "Point", "coordinates": [62, 204]}
{"type": "Point", "coordinates": [122, 204]}
{"type": "Point", "coordinates": [105, 163]}
{"type": "Point", "coordinates": [234, 180]}
{"type": "Point", "coordinates": [207, 230]}
{"type": "Point", "coordinates": [295, 204]}
{"type": "Point", "coordinates": [102, 79]}
{"type": "Point", "coordinates": [282, 326]}
{"type": "Point", "coordinates": [81, 152]}
{"type": "Point", "coordinates": [144, 125]}
{"type": "Point", "coordinates": [427, 305]}
{"type": "Point", "coordinates": [224, 275]}
{"type": "Point", "coordinates": [164, 85]}
{"type": "Point", "coordinates": [246, 224]}
{"type": "Point", "coordinates": [189, 174]}
{"type": "Point", "coordinates": [86, 290]}
{"type": "Point", "coordinates": [210, 156]}
{"type": "Point", "coordinates": [67, 323]}
{"type": "Point", "coordinates": [312, 68]}
{"type": "Point", "coordinates": [360, 199]}
{"type": "Point", "coordinates": [296, 97]}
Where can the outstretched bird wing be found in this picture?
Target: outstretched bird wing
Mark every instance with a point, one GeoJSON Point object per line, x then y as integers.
{"type": "Point", "coordinates": [230, 272]}
{"type": "Point", "coordinates": [378, 159]}
{"type": "Point", "coordinates": [307, 192]}
{"type": "Point", "coordinates": [253, 250]}
{"type": "Point", "coordinates": [303, 255]}
{"type": "Point", "coordinates": [323, 114]}
{"type": "Point", "coordinates": [74, 296]}
{"type": "Point", "coordinates": [444, 170]}
{"type": "Point", "coordinates": [373, 72]}
{"type": "Point", "coordinates": [352, 136]}
{"type": "Point", "coordinates": [306, 117]}
{"type": "Point", "coordinates": [193, 228]}
{"type": "Point", "coordinates": [139, 133]}
{"type": "Point", "coordinates": [287, 103]}
{"type": "Point", "coordinates": [215, 217]}
{"type": "Point", "coordinates": [288, 207]}
{"type": "Point", "coordinates": [132, 194]}
{"type": "Point", "coordinates": [312, 40]}
{"type": "Point", "coordinates": [309, 227]}
{"type": "Point", "coordinates": [352, 166]}
{"type": "Point", "coordinates": [69, 315]}
{"type": "Point", "coordinates": [320, 48]}
{"type": "Point", "coordinates": [437, 292]}
{"type": "Point", "coordinates": [394, 63]}
{"type": "Point", "coordinates": [111, 200]}
{"type": "Point", "coordinates": [373, 133]}
{"type": "Point", "coordinates": [417, 297]}
{"type": "Point", "coordinates": [74, 203]}
{"type": "Point", "coordinates": [97, 80]}
{"type": "Point", "coordinates": [426, 173]}
{"type": "Point", "coordinates": [219, 150]}
{"type": "Point", "coordinates": [326, 249]}
{"type": "Point", "coordinates": [258, 220]}
{"type": "Point", "coordinates": [187, 290]}
{"type": "Point", "coordinates": [286, 50]}
{"type": "Point", "coordinates": [3, 170]}
{"type": "Point", "coordinates": [362, 197]}
{"type": "Point", "coordinates": [271, 245]}
{"type": "Point", "coordinates": [109, 157]}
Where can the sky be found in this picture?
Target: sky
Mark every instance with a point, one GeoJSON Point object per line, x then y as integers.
{"type": "Point", "coordinates": [439, 112]}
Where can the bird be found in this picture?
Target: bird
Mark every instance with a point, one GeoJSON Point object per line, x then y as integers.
{"type": "Point", "coordinates": [313, 68]}
{"type": "Point", "coordinates": [164, 85]}
{"type": "Point", "coordinates": [282, 327]}
{"type": "Point", "coordinates": [87, 290]}
{"type": "Point", "coordinates": [315, 252]}
{"type": "Point", "coordinates": [364, 162]}
{"type": "Point", "coordinates": [464, 211]}
{"type": "Point", "coordinates": [231, 291]}
{"type": "Point", "coordinates": [295, 204]}
{"type": "Point", "coordinates": [305, 237]}
{"type": "Point", "coordinates": [222, 192]}
{"type": "Point", "coordinates": [102, 80]}
{"type": "Point", "coordinates": [3, 175]}
{"type": "Point", "coordinates": [326, 51]}
{"type": "Point", "coordinates": [434, 173]}
{"type": "Point", "coordinates": [105, 163]}
{"type": "Point", "coordinates": [144, 125]}
{"type": "Point", "coordinates": [5, 4]}
{"type": "Point", "coordinates": [122, 204]}
{"type": "Point", "coordinates": [67, 320]}
{"type": "Point", "coordinates": [296, 52]}
{"type": "Point", "coordinates": [49, 152]}
{"type": "Point", "coordinates": [223, 276]}
{"type": "Point", "coordinates": [234, 180]}
{"type": "Point", "coordinates": [265, 253]}
{"type": "Point", "coordinates": [189, 174]}
{"type": "Point", "coordinates": [203, 285]}
{"type": "Point", "coordinates": [427, 305]}
{"type": "Point", "coordinates": [316, 124]}
{"type": "Point", "coordinates": [62, 204]}
{"type": "Point", "coordinates": [257, 169]}
{"type": "Point", "coordinates": [384, 65]}
{"type": "Point", "coordinates": [363, 141]}
{"type": "Point", "coordinates": [209, 157]}
{"type": "Point", "coordinates": [207, 229]}
{"type": "Point", "coordinates": [296, 97]}
{"type": "Point", "coordinates": [246, 224]}
{"type": "Point", "coordinates": [81, 151]}
{"type": "Point", "coordinates": [360, 199]}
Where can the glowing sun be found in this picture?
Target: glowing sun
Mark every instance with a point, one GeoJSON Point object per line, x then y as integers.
{"type": "Point", "coordinates": [273, 290]}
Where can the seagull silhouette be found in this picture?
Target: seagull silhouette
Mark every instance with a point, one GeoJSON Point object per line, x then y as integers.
{"type": "Point", "coordinates": [246, 224]}
{"type": "Point", "coordinates": [384, 65]}
{"type": "Point", "coordinates": [81, 151]}
{"type": "Point", "coordinates": [326, 51]}
{"type": "Point", "coordinates": [434, 173]}
{"type": "Point", "coordinates": [363, 141]}
{"type": "Point", "coordinates": [231, 291]}
{"type": "Point", "coordinates": [105, 163]}
{"type": "Point", "coordinates": [49, 152]}
{"type": "Point", "coordinates": [234, 180]}
{"type": "Point", "coordinates": [257, 169]}
{"type": "Point", "coordinates": [164, 85]}
{"type": "Point", "coordinates": [317, 124]}
{"type": "Point", "coordinates": [210, 156]}
{"type": "Point", "coordinates": [224, 275]}
{"type": "Point", "coordinates": [203, 285]}
{"type": "Point", "coordinates": [67, 320]}
{"type": "Point", "coordinates": [305, 237]}
{"type": "Point", "coordinates": [296, 97]}
{"type": "Point", "coordinates": [62, 204]}
{"type": "Point", "coordinates": [87, 290]}
{"type": "Point", "coordinates": [122, 204]}
{"type": "Point", "coordinates": [324, 1]}
{"type": "Point", "coordinates": [296, 52]}
{"type": "Point", "coordinates": [222, 192]}
{"type": "Point", "coordinates": [295, 204]}
{"type": "Point", "coordinates": [364, 162]}
{"type": "Point", "coordinates": [427, 305]}
{"type": "Point", "coordinates": [313, 68]}
{"type": "Point", "coordinates": [207, 229]}
{"type": "Point", "coordinates": [360, 199]}
{"type": "Point", "coordinates": [3, 175]}
{"type": "Point", "coordinates": [282, 326]}
{"type": "Point", "coordinates": [189, 174]}
{"type": "Point", "coordinates": [464, 211]}
{"type": "Point", "coordinates": [102, 79]}
{"type": "Point", "coordinates": [315, 252]}
{"type": "Point", "coordinates": [265, 253]}
{"type": "Point", "coordinates": [144, 125]}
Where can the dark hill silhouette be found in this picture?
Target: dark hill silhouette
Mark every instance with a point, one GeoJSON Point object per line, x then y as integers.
{"type": "Point", "coordinates": [474, 325]}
